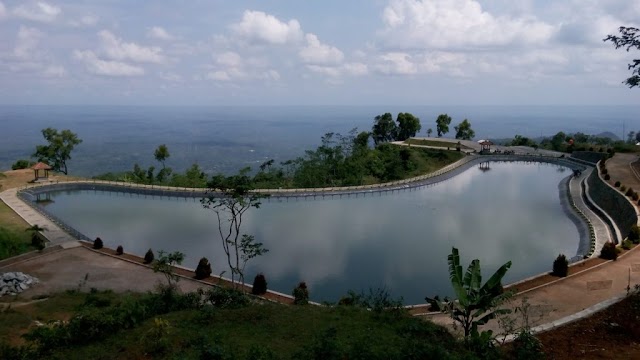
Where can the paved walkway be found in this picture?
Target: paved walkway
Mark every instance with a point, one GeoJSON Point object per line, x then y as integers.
{"type": "Point", "coordinates": [599, 226]}
{"type": "Point", "coordinates": [54, 233]}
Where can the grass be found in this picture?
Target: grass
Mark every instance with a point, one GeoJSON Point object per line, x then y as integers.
{"type": "Point", "coordinates": [13, 238]}
{"type": "Point", "coordinates": [445, 144]}
{"type": "Point", "coordinates": [269, 330]}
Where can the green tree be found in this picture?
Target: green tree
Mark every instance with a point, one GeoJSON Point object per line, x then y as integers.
{"type": "Point", "coordinates": [558, 140]}
{"type": "Point", "coordinates": [230, 198]}
{"type": "Point", "coordinates": [165, 264]}
{"type": "Point", "coordinates": [408, 126]}
{"type": "Point", "coordinates": [61, 144]}
{"type": "Point", "coordinates": [464, 130]}
{"type": "Point", "coordinates": [162, 154]}
{"type": "Point", "coordinates": [384, 128]}
{"type": "Point", "coordinates": [629, 38]}
{"type": "Point", "coordinates": [476, 303]}
{"type": "Point", "coordinates": [442, 124]}
{"type": "Point", "coordinates": [429, 132]}
{"type": "Point", "coordinates": [36, 238]}
{"type": "Point", "coordinates": [21, 164]}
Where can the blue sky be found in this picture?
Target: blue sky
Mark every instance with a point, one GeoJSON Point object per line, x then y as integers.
{"type": "Point", "coordinates": [418, 52]}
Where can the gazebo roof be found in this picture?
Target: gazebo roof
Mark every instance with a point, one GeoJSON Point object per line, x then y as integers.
{"type": "Point", "coordinates": [41, 166]}
{"type": "Point", "coordinates": [485, 142]}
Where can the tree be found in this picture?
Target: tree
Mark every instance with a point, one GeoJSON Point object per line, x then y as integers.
{"type": "Point", "coordinates": [442, 124]}
{"type": "Point", "coordinates": [59, 149]}
{"type": "Point", "coordinates": [630, 137]}
{"type": "Point", "coordinates": [408, 126]}
{"type": "Point", "coordinates": [429, 132]}
{"type": "Point", "coordinates": [230, 198]}
{"type": "Point", "coordinates": [384, 128]}
{"type": "Point", "coordinates": [36, 240]}
{"type": "Point", "coordinates": [476, 303]}
{"type": "Point", "coordinates": [464, 131]}
{"type": "Point", "coordinates": [165, 264]}
{"type": "Point", "coordinates": [161, 154]}
{"type": "Point", "coordinates": [629, 38]}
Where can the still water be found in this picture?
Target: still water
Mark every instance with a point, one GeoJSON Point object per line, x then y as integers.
{"type": "Point", "coordinates": [395, 240]}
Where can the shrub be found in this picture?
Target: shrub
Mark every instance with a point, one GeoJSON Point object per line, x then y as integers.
{"type": "Point", "coordinates": [259, 285]}
{"type": "Point", "coordinates": [22, 164]}
{"type": "Point", "coordinates": [634, 234]}
{"type": "Point", "coordinates": [37, 241]}
{"type": "Point", "coordinates": [527, 346]}
{"type": "Point", "coordinates": [607, 177]}
{"type": "Point", "coordinates": [609, 251]}
{"type": "Point", "coordinates": [149, 257]}
{"type": "Point", "coordinates": [225, 298]}
{"type": "Point", "coordinates": [623, 188]}
{"type": "Point", "coordinates": [203, 270]}
{"type": "Point", "coordinates": [605, 171]}
{"type": "Point", "coordinates": [301, 294]}
{"type": "Point", "coordinates": [600, 150]}
{"type": "Point", "coordinates": [119, 250]}
{"type": "Point", "coordinates": [617, 184]}
{"type": "Point", "coordinates": [629, 191]}
{"type": "Point", "coordinates": [634, 196]}
{"type": "Point", "coordinates": [626, 244]}
{"type": "Point", "coordinates": [97, 243]}
{"type": "Point", "coordinates": [561, 266]}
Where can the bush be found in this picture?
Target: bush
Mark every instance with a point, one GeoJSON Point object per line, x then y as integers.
{"type": "Point", "coordinates": [259, 285]}
{"type": "Point", "coordinates": [634, 196]}
{"type": "Point", "coordinates": [22, 164]}
{"type": "Point", "coordinates": [617, 184]}
{"type": "Point", "coordinates": [600, 150]}
{"type": "Point", "coordinates": [203, 270]}
{"type": "Point", "coordinates": [527, 346]}
{"type": "Point", "coordinates": [119, 250]}
{"type": "Point", "coordinates": [301, 294]}
{"type": "Point", "coordinates": [561, 266]}
{"type": "Point", "coordinates": [605, 171]}
{"type": "Point", "coordinates": [634, 234]}
{"type": "Point", "coordinates": [629, 191]}
{"type": "Point", "coordinates": [607, 177]}
{"type": "Point", "coordinates": [623, 188]}
{"type": "Point", "coordinates": [626, 244]}
{"type": "Point", "coordinates": [149, 257]}
{"type": "Point", "coordinates": [37, 241]}
{"type": "Point", "coordinates": [97, 243]}
{"type": "Point", "coordinates": [609, 251]}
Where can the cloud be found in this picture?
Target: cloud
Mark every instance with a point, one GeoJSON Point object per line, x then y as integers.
{"type": "Point", "coordinates": [159, 33]}
{"type": "Point", "coordinates": [3, 11]}
{"type": "Point", "coordinates": [318, 53]}
{"type": "Point", "coordinates": [396, 63]}
{"type": "Point", "coordinates": [54, 71]}
{"type": "Point", "coordinates": [456, 24]}
{"type": "Point", "coordinates": [39, 11]}
{"type": "Point", "coordinates": [171, 77]}
{"type": "Point", "coordinates": [259, 27]}
{"type": "Point", "coordinates": [105, 67]}
{"type": "Point", "coordinates": [116, 49]}
{"type": "Point", "coordinates": [27, 43]}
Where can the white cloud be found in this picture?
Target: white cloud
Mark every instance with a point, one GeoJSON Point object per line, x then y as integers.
{"type": "Point", "coordinates": [3, 11]}
{"type": "Point", "coordinates": [171, 77]}
{"type": "Point", "coordinates": [318, 53]}
{"type": "Point", "coordinates": [54, 71]}
{"type": "Point", "coordinates": [106, 67]}
{"type": "Point", "coordinates": [259, 27]}
{"type": "Point", "coordinates": [356, 69]}
{"type": "Point", "coordinates": [229, 59]}
{"type": "Point", "coordinates": [38, 11]}
{"type": "Point", "coordinates": [219, 76]}
{"type": "Point", "coordinates": [117, 49]}
{"type": "Point", "coordinates": [27, 43]}
{"type": "Point", "coordinates": [396, 63]}
{"type": "Point", "coordinates": [159, 33]}
{"type": "Point", "coordinates": [456, 24]}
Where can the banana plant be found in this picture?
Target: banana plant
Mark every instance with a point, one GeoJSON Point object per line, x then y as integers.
{"type": "Point", "coordinates": [475, 303]}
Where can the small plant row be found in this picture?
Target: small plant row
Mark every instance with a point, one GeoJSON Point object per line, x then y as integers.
{"type": "Point", "coordinates": [592, 232]}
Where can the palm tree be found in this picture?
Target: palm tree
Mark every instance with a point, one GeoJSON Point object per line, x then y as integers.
{"type": "Point", "coordinates": [36, 240]}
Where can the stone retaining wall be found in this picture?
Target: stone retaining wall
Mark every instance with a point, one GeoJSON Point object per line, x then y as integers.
{"type": "Point", "coordinates": [613, 202]}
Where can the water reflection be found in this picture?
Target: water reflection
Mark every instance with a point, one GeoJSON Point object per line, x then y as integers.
{"type": "Point", "coordinates": [398, 240]}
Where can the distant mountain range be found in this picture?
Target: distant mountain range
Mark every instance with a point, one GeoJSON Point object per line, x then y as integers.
{"type": "Point", "coordinates": [606, 134]}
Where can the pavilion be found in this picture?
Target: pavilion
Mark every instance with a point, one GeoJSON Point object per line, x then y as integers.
{"type": "Point", "coordinates": [41, 167]}
{"type": "Point", "coordinates": [485, 145]}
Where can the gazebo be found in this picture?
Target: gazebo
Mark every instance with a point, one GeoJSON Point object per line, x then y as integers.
{"type": "Point", "coordinates": [485, 145]}
{"type": "Point", "coordinates": [36, 171]}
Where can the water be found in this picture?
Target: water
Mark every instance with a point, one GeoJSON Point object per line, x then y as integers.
{"type": "Point", "coordinates": [399, 241]}
{"type": "Point", "coordinates": [225, 139]}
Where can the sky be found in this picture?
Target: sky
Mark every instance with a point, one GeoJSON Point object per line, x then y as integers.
{"type": "Point", "coordinates": [330, 52]}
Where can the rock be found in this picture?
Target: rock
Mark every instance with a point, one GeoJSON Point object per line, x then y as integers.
{"type": "Point", "coordinates": [13, 283]}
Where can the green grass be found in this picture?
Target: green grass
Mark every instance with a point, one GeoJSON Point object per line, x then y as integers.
{"type": "Point", "coordinates": [13, 243]}
{"type": "Point", "coordinates": [445, 144]}
{"type": "Point", "coordinates": [270, 330]}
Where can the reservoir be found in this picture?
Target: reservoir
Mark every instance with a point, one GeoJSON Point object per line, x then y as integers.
{"type": "Point", "coordinates": [506, 211]}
